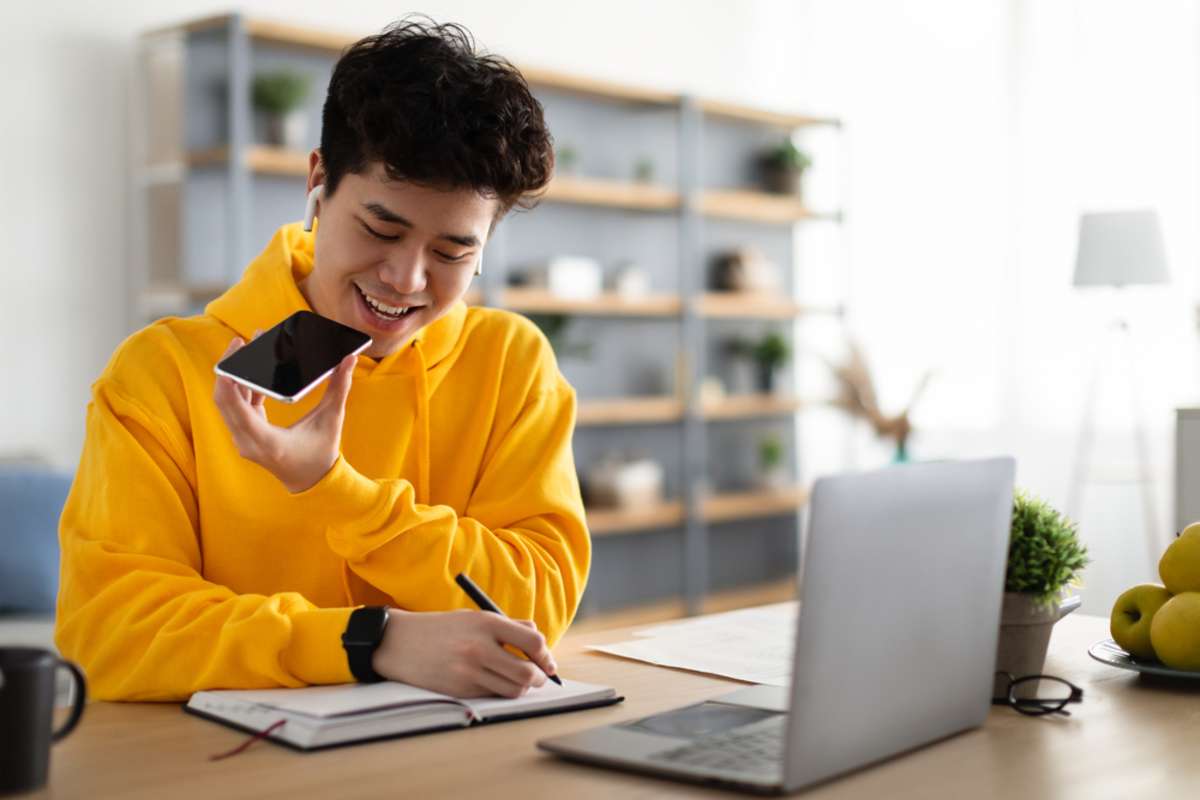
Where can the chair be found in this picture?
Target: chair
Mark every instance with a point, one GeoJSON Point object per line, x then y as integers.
{"type": "Point", "coordinates": [31, 501]}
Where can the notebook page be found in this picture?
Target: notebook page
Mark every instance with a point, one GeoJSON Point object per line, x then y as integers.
{"type": "Point", "coordinates": [549, 696]}
{"type": "Point", "coordinates": [332, 701]}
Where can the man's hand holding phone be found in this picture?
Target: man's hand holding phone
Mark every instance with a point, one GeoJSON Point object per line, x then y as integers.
{"type": "Point", "coordinates": [299, 455]}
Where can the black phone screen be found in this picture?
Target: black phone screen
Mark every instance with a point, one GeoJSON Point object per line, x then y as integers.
{"type": "Point", "coordinates": [294, 354]}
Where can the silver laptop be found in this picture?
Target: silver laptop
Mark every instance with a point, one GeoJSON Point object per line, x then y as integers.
{"type": "Point", "coordinates": [895, 642]}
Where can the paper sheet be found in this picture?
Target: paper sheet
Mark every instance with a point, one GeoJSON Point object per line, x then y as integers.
{"type": "Point", "coordinates": [750, 644]}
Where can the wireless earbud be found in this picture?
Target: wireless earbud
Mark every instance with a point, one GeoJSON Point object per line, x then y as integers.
{"type": "Point", "coordinates": [310, 208]}
{"type": "Point", "coordinates": [479, 264]}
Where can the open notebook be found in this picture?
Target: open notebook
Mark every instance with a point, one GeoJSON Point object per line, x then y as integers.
{"type": "Point", "coordinates": [328, 716]}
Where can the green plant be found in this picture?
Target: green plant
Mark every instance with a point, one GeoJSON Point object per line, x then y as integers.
{"type": "Point", "coordinates": [279, 92]}
{"type": "Point", "coordinates": [554, 326]}
{"type": "Point", "coordinates": [770, 452]}
{"type": "Point", "coordinates": [1044, 551]}
{"type": "Point", "coordinates": [566, 158]}
{"type": "Point", "coordinates": [788, 157]}
{"type": "Point", "coordinates": [771, 351]}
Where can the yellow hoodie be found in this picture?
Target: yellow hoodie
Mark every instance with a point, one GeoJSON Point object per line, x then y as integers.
{"type": "Point", "coordinates": [187, 567]}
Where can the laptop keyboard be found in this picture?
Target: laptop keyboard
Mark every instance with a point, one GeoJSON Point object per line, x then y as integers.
{"type": "Point", "coordinates": [755, 748]}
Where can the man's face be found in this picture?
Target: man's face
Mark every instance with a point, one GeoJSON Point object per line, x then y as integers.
{"type": "Point", "coordinates": [391, 257]}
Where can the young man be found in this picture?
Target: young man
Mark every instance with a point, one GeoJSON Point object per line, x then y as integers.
{"type": "Point", "coordinates": [216, 540]}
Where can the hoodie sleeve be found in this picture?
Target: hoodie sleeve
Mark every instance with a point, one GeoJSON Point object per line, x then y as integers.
{"type": "Point", "coordinates": [134, 609]}
{"type": "Point", "coordinates": [531, 555]}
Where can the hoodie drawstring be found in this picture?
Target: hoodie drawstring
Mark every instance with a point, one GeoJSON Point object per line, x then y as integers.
{"type": "Point", "coordinates": [421, 428]}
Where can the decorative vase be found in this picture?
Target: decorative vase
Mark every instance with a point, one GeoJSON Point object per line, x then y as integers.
{"type": "Point", "coordinates": [1025, 627]}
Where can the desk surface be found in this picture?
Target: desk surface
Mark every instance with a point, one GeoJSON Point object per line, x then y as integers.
{"type": "Point", "coordinates": [1129, 738]}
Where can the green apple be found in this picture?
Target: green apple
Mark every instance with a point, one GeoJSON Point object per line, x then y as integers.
{"type": "Point", "coordinates": [1131, 617]}
{"type": "Point", "coordinates": [1175, 632]}
{"type": "Point", "coordinates": [1179, 567]}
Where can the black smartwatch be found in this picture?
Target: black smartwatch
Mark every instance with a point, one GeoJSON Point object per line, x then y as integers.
{"type": "Point", "coordinates": [363, 634]}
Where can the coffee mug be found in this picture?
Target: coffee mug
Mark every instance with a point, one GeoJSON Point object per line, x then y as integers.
{"type": "Point", "coordinates": [26, 713]}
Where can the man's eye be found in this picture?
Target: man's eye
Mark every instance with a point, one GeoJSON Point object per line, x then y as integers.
{"type": "Point", "coordinates": [451, 259]}
{"type": "Point", "coordinates": [377, 234]}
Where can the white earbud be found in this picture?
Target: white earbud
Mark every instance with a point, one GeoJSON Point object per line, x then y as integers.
{"type": "Point", "coordinates": [479, 264]}
{"type": "Point", "coordinates": [310, 208]}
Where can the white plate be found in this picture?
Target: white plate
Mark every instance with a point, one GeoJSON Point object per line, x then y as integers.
{"type": "Point", "coordinates": [1108, 652]}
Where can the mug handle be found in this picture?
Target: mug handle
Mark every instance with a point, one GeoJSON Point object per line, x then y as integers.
{"type": "Point", "coordinates": [80, 701]}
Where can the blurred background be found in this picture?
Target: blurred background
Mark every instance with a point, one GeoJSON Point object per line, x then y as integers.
{"type": "Point", "coordinates": [784, 239]}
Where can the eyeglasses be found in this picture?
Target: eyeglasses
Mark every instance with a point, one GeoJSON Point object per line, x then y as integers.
{"type": "Point", "coordinates": [1037, 695]}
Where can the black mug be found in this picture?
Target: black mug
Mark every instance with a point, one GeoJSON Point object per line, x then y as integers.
{"type": "Point", "coordinates": [27, 676]}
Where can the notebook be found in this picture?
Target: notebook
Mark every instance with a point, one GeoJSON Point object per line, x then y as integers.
{"type": "Point", "coordinates": [317, 717]}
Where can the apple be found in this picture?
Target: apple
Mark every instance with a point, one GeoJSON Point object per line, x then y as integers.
{"type": "Point", "coordinates": [1179, 567]}
{"type": "Point", "coordinates": [1132, 615]}
{"type": "Point", "coordinates": [1175, 632]}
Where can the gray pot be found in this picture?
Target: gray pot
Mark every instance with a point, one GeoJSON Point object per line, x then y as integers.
{"type": "Point", "coordinates": [1025, 627]}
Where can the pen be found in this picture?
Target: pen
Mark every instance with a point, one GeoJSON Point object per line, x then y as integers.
{"type": "Point", "coordinates": [485, 604]}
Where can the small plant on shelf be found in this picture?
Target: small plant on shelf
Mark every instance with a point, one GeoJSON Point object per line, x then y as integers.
{"type": "Point", "coordinates": [770, 353]}
{"type": "Point", "coordinates": [280, 97]}
{"type": "Point", "coordinates": [771, 472]}
{"type": "Point", "coordinates": [784, 166]}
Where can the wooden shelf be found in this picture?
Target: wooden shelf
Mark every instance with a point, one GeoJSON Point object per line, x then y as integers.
{"type": "Point", "coordinates": [596, 87]}
{"type": "Point", "coordinates": [746, 406]}
{"type": "Point", "coordinates": [540, 301]}
{"type": "Point", "coordinates": [753, 206]}
{"type": "Point", "coordinates": [629, 410]}
{"type": "Point", "coordinates": [261, 159]}
{"type": "Point", "coordinates": [748, 505]}
{"type": "Point", "coordinates": [759, 594]}
{"type": "Point", "coordinates": [734, 111]}
{"type": "Point", "coordinates": [746, 305]}
{"type": "Point", "coordinates": [605, 522]}
{"type": "Point", "coordinates": [611, 194]}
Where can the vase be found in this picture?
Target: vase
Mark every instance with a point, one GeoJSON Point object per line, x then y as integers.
{"type": "Point", "coordinates": [1025, 627]}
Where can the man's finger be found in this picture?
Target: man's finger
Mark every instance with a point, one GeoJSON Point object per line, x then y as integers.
{"type": "Point", "coordinates": [525, 639]}
{"type": "Point", "coordinates": [332, 408]}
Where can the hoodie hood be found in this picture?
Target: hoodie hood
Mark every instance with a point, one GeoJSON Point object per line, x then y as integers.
{"type": "Point", "coordinates": [269, 292]}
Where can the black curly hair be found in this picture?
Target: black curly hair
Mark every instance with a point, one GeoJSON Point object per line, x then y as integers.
{"type": "Point", "coordinates": [418, 98]}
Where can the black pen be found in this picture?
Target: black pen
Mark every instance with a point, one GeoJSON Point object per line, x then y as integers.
{"type": "Point", "coordinates": [485, 604]}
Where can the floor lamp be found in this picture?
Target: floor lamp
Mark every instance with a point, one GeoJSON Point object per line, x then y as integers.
{"type": "Point", "coordinates": [1118, 249]}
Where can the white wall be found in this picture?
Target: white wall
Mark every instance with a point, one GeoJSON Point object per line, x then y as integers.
{"type": "Point", "coordinates": [976, 131]}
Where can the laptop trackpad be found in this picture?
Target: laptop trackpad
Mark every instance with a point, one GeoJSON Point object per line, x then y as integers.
{"type": "Point", "coordinates": [702, 719]}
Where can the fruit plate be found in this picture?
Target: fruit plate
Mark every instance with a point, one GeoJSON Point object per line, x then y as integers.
{"type": "Point", "coordinates": [1108, 652]}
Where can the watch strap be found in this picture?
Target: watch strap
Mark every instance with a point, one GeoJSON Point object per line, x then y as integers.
{"type": "Point", "coordinates": [360, 640]}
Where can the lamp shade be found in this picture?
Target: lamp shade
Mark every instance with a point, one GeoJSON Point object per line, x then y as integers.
{"type": "Point", "coordinates": [1120, 248]}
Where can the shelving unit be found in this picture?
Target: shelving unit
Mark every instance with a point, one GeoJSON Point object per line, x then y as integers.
{"type": "Point", "coordinates": [208, 194]}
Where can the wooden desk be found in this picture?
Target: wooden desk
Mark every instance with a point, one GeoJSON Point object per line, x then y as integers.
{"type": "Point", "coordinates": [1130, 738]}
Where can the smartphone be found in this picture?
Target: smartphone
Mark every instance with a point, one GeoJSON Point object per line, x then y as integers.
{"type": "Point", "coordinates": [287, 361]}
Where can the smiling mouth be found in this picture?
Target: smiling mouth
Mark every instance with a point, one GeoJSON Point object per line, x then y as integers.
{"type": "Point", "coordinates": [385, 311]}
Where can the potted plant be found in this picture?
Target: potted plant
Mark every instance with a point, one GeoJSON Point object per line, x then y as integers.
{"type": "Point", "coordinates": [1045, 556]}
{"type": "Point", "coordinates": [771, 472]}
{"type": "Point", "coordinates": [770, 353]}
{"type": "Point", "coordinates": [784, 166]}
{"type": "Point", "coordinates": [279, 97]}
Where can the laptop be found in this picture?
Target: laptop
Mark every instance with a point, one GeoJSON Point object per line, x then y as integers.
{"type": "Point", "coordinates": [895, 648]}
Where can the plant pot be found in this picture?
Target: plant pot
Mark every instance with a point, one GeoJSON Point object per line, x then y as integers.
{"type": "Point", "coordinates": [286, 130]}
{"type": "Point", "coordinates": [766, 379]}
{"type": "Point", "coordinates": [773, 479]}
{"type": "Point", "coordinates": [1025, 627]}
{"type": "Point", "coordinates": [781, 180]}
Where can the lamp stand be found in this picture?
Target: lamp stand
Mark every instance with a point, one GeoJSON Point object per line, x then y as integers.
{"type": "Point", "coordinates": [1083, 453]}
